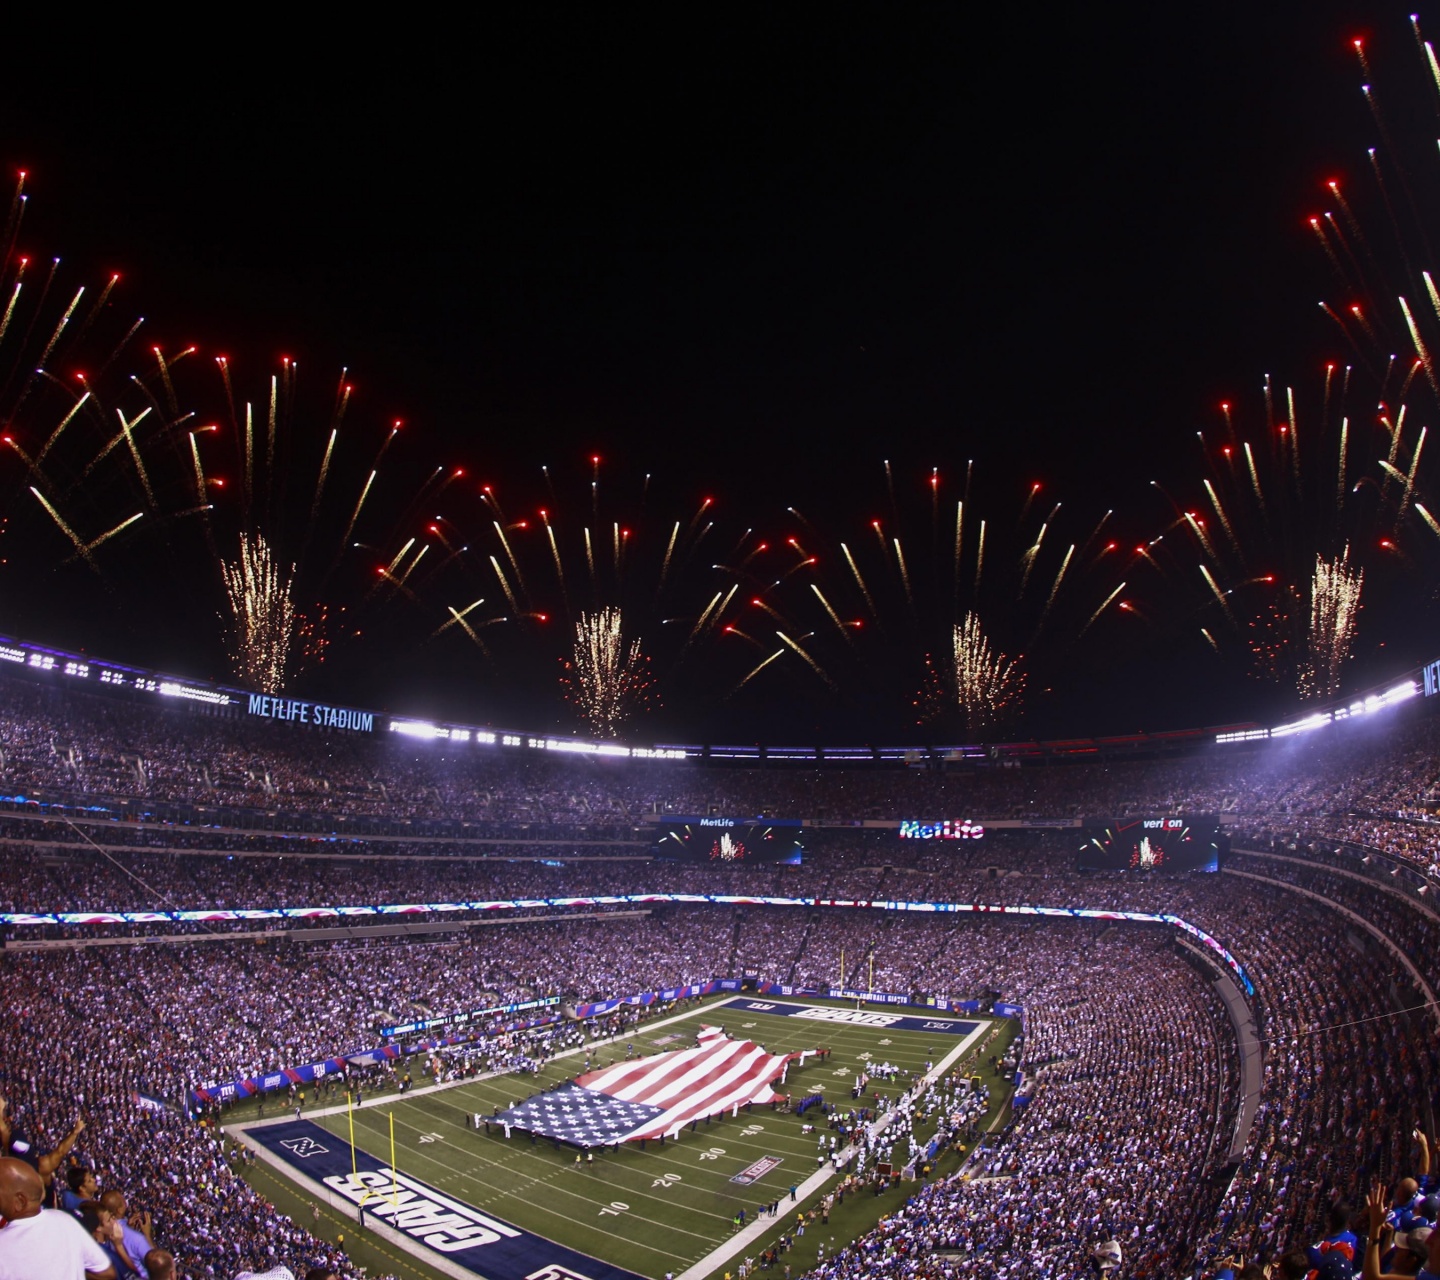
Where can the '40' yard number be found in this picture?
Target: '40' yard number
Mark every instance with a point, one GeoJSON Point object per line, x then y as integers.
{"type": "Point", "coordinates": [750, 1130]}
{"type": "Point", "coordinates": [713, 1154]}
{"type": "Point", "coordinates": [615, 1208]}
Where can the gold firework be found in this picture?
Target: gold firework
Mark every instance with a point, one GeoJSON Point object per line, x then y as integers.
{"type": "Point", "coordinates": [1335, 588]}
{"type": "Point", "coordinates": [985, 685]}
{"type": "Point", "coordinates": [262, 614]}
{"type": "Point", "coordinates": [608, 678]}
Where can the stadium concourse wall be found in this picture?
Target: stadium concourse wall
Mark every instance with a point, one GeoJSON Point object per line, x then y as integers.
{"type": "Point", "coordinates": [628, 899]}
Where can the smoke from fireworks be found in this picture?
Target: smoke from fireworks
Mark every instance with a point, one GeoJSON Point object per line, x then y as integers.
{"type": "Point", "coordinates": [1335, 590]}
{"type": "Point", "coordinates": [262, 614]}
{"type": "Point", "coordinates": [606, 675]}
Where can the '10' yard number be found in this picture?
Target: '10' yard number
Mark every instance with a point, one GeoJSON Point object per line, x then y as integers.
{"type": "Point", "coordinates": [615, 1208]}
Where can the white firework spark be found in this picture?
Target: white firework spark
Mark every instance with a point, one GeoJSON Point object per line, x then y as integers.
{"type": "Point", "coordinates": [262, 614]}
{"type": "Point", "coordinates": [988, 685]}
{"type": "Point", "coordinates": [607, 676]}
{"type": "Point", "coordinates": [1335, 590]}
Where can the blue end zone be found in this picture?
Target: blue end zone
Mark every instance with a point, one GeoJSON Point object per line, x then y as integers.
{"type": "Point", "coordinates": [440, 1224]}
{"type": "Point", "coordinates": [876, 1018]}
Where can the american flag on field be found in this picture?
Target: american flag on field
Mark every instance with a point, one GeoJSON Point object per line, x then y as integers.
{"type": "Point", "coordinates": [655, 1096]}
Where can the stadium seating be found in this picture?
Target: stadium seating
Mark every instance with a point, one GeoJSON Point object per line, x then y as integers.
{"type": "Point", "coordinates": [1133, 1061]}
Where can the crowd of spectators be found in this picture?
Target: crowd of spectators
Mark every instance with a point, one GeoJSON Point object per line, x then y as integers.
{"type": "Point", "coordinates": [1134, 1090]}
{"type": "Point", "coordinates": [1132, 1067]}
{"type": "Point", "coordinates": [63, 741]}
{"type": "Point", "coordinates": [1121, 1036]}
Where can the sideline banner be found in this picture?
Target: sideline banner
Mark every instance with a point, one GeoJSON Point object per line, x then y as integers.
{"type": "Point", "coordinates": [313, 1071]}
{"type": "Point", "coordinates": [856, 1017]}
{"type": "Point", "coordinates": [437, 1223]}
{"type": "Point", "coordinates": [666, 994]}
{"type": "Point", "coordinates": [869, 997]}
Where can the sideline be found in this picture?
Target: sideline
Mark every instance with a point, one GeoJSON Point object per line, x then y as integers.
{"type": "Point", "coordinates": [375, 1226]}
{"type": "Point", "coordinates": [340, 1108]}
{"type": "Point", "coordinates": [751, 1233]}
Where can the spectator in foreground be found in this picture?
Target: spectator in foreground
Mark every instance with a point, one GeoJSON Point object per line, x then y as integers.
{"type": "Point", "coordinates": [42, 1242]}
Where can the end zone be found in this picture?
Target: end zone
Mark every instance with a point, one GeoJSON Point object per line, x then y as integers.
{"type": "Point", "coordinates": [880, 1019]}
{"type": "Point", "coordinates": [447, 1233]}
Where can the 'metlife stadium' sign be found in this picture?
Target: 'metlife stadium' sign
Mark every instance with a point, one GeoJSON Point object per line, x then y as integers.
{"type": "Point", "coordinates": [312, 713]}
{"type": "Point", "coordinates": [946, 830]}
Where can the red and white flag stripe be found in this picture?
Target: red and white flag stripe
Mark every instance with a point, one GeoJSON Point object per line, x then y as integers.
{"type": "Point", "coordinates": [716, 1076]}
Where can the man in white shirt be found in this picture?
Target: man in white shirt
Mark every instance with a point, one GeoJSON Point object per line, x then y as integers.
{"type": "Point", "coordinates": [38, 1242]}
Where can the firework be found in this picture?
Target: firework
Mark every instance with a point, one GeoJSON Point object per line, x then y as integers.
{"type": "Point", "coordinates": [1282, 492]}
{"type": "Point", "coordinates": [606, 675]}
{"type": "Point", "coordinates": [1335, 590]}
{"type": "Point", "coordinates": [1325, 486]}
{"type": "Point", "coordinates": [329, 523]}
{"type": "Point", "coordinates": [957, 596]}
{"type": "Point", "coordinates": [563, 558]}
{"type": "Point", "coordinates": [984, 684]}
{"type": "Point", "coordinates": [271, 511]}
{"type": "Point", "coordinates": [261, 614]}
{"type": "Point", "coordinates": [74, 426]}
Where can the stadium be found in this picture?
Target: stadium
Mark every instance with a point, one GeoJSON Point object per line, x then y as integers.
{"type": "Point", "coordinates": [292, 992]}
{"type": "Point", "coordinates": [815, 709]}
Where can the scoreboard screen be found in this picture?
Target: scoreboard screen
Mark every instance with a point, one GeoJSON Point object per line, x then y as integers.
{"type": "Point", "coordinates": [1152, 844]}
{"type": "Point", "coordinates": [725, 843]}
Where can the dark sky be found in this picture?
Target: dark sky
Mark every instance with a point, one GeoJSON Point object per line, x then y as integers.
{"type": "Point", "coordinates": [752, 251]}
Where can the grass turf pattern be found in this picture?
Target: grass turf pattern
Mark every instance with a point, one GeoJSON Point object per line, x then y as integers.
{"type": "Point", "coordinates": [667, 1206]}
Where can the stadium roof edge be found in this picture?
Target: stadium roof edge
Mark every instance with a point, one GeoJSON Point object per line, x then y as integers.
{"type": "Point", "coordinates": [43, 661]}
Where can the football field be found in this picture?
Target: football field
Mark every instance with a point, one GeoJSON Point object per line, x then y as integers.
{"type": "Point", "coordinates": [667, 1208]}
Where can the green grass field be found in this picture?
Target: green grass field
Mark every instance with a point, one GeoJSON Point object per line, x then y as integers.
{"type": "Point", "coordinates": [664, 1208]}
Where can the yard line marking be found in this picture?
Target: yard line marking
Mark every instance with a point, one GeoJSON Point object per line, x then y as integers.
{"type": "Point", "coordinates": [750, 1234]}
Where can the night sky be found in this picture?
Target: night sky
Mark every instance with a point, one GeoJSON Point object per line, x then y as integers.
{"type": "Point", "coordinates": [755, 253]}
